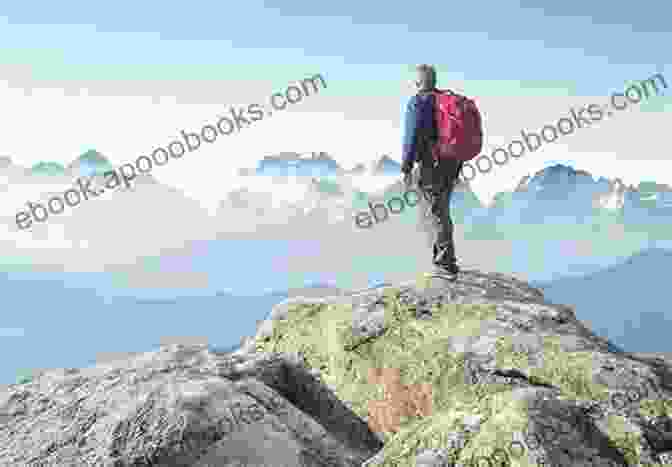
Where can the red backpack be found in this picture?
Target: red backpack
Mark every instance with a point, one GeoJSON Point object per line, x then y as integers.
{"type": "Point", "coordinates": [459, 127]}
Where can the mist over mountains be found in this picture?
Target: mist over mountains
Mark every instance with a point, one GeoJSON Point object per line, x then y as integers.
{"type": "Point", "coordinates": [558, 189]}
{"type": "Point", "coordinates": [291, 219]}
{"type": "Point", "coordinates": [312, 188]}
{"type": "Point", "coordinates": [556, 192]}
{"type": "Point", "coordinates": [318, 164]}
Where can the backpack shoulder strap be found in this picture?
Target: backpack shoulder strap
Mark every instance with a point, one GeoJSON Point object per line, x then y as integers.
{"type": "Point", "coordinates": [463, 101]}
{"type": "Point", "coordinates": [466, 103]}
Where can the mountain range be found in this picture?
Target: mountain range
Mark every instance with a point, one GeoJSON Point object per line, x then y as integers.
{"type": "Point", "coordinates": [578, 204]}
{"type": "Point", "coordinates": [635, 290]}
{"type": "Point", "coordinates": [87, 164]}
{"type": "Point", "coordinates": [558, 193]}
{"type": "Point", "coordinates": [318, 164]}
{"type": "Point", "coordinates": [267, 234]}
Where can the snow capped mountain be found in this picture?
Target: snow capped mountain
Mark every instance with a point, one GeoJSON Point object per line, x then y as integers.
{"type": "Point", "coordinates": [318, 164]}
{"type": "Point", "coordinates": [315, 164]}
{"type": "Point", "coordinates": [559, 193]}
{"type": "Point", "coordinates": [552, 182]}
{"type": "Point", "coordinates": [89, 163]}
{"type": "Point", "coordinates": [313, 186]}
{"type": "Point", "coordinates": [564, 184]}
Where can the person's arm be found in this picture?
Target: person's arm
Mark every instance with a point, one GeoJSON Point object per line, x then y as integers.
{"type": "Point", "coordinates": [410, 136]}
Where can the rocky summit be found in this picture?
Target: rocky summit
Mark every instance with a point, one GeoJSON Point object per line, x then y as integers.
{"type": "Point", "coordinates": [478, 372]}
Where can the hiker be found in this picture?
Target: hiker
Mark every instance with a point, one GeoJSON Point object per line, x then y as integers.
{"type": "Point", "coordinates": [442, 130]}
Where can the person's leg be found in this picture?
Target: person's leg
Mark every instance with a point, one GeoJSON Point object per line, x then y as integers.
{"type": "Point", "coordinates": [445, 246]}
{"type": "Point", "coordinates": [426, 220]}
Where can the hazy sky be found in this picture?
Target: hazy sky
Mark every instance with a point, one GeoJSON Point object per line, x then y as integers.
{"type": "Point", "coordinates": [126, 77]}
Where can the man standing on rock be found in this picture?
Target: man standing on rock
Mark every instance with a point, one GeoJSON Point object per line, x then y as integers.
{"type": "Point", "coordinates": [442, 130]}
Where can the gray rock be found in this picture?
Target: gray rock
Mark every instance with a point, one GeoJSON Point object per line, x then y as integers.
{"type": "Point", "coordinates": [368, 321]}
{"type": "Point", "coordinates": [182, 406]}
{"type": "Point", "coordinates": [432, 458]}
{"type": "Point", "coordinates": [529, 321]}
{"type": "Point", "coordinates": [189, 406]}
{"type": "Point", "coordinates": [375, 461]}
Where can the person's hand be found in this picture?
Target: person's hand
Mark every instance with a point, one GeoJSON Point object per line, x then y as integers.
{"type": "Point", "coordinates": [408, 179]}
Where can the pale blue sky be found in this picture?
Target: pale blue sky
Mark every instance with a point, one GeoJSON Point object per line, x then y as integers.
{"type": "Point", "coordinates": [523, 61]}
{"type": "Point", "coordinates": [503, 40]}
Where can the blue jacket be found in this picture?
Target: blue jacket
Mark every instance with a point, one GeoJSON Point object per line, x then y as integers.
{"type": "Point", "coordinates": [418, 123]}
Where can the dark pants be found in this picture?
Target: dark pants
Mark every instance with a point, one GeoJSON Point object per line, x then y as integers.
{"type": "Point", "coordinates": [436, 182]}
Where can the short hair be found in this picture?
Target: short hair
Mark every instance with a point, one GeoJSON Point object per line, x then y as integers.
{"type": "Point", "coordinates": [429, 72]}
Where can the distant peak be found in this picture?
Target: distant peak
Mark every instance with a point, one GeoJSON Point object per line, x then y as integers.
{"type": "Point", "coordinates": [313, 155]}
{"type": "Point", "coordinates": [92, 157]}
{"type": "Point", "coordinates": [48, 168]}
{"type": "Point", "coordinates": [552, 172]}
{"type": "Point", "coordinates": [561, 168]}
{"type": "Point", "coordinates": [385, 164]}
{"type": "Point", "coordinates": [91, 162]}
{"type": "Point", "coordinates": [385, 158]}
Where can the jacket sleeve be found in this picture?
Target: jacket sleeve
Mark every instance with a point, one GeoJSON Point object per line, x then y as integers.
{"type": "Point", "coordinates": [409, 143]}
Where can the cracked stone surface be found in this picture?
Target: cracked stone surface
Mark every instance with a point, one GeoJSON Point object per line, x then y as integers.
{"type": "Point", "coordinates": [528, 321]}
{"type": "Point", "coordinates": [192, 406]}
{"type": "Point", "coordinates": [182, 406]}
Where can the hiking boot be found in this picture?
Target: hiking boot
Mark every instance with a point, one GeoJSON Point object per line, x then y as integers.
{"type": "Point", "coordinates": [450, 269]}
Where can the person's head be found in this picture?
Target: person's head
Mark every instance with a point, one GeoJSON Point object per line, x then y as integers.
{"type": "Point", "coordinates": [426, 77]}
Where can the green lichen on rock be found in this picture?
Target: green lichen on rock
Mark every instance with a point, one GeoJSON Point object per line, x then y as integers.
{"type": "Point", "coordinates": [624, 439]}
{"type": "Point", "coordinates": [418, 348]}
{"type": "Point", "coordinates": [572, 372]}
{"type": "Point", "coordinates": [656, 408]}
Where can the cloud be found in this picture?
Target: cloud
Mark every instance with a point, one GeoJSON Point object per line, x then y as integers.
{"type": "Point", "coordinates": [115, 228]}
{"type": "Point", "coordinates": [72, 117]}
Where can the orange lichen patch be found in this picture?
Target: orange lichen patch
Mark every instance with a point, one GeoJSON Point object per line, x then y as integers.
{"type": "Point", "coordinates": [421, 397]}
{"type": "Point", "coordinates": [398, 400]}
{"type": "Point", "coordinates": [384, 417]}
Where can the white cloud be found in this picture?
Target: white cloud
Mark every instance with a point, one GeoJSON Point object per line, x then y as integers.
{"type": "Point", "coordinates": [56, 124]}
